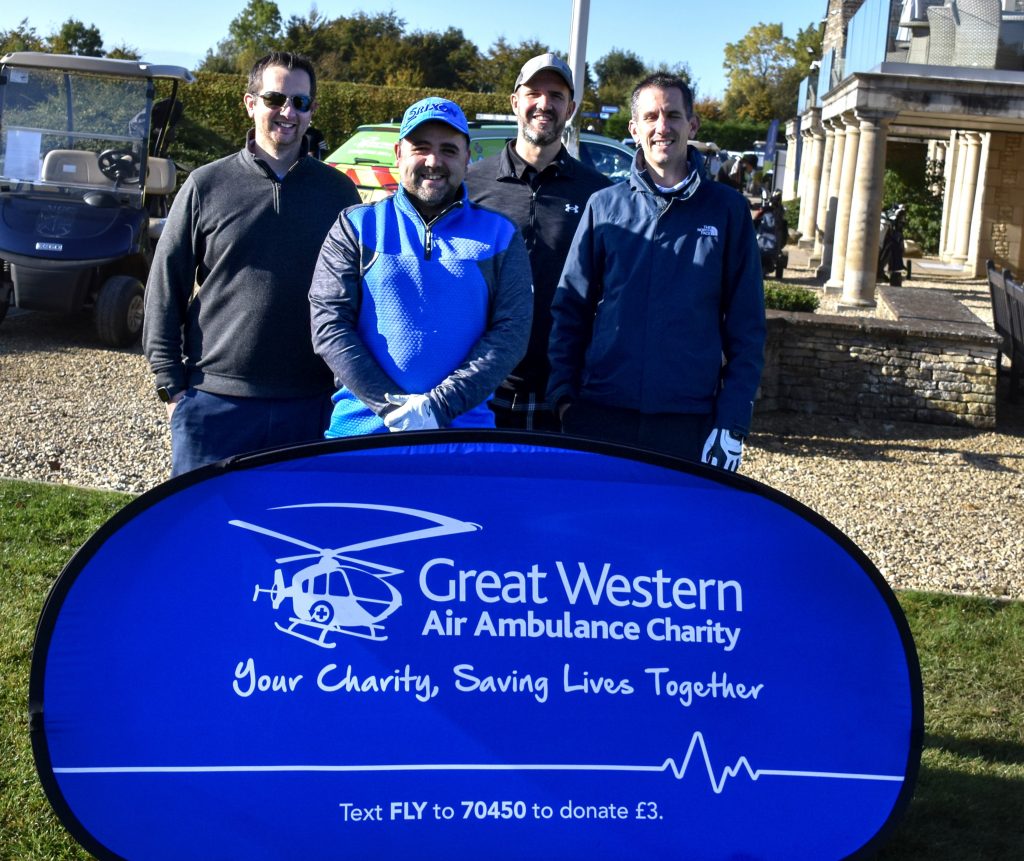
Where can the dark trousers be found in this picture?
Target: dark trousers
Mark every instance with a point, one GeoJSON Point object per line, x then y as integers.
{"type": "Point", "coordinates": [677, 434]}
{"type": "Point", "coordinates": [524, 412]}
{"type": "Point", "coordinates": [206, 427]}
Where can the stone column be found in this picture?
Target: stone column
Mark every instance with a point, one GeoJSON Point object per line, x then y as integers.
{"type": "Point", "coordinates": [861, 268]}
{"type": "Point", "coordinates": [964, 214]}
{"type": "Point", "coordinates": [845, 199]}
{"type": "Point", "coordinates": [832, 197]}
{"type": "Point", "coordinates": [821, 214]}
{"type": "Point", "coordinates": [789, 181]}
{"type": "Point", "coordinates": [951, 205]}
{"type": "Point", "coordinates": [814, 149]}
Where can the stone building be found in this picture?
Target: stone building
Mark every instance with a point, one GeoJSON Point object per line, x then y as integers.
{"type": "Point", "coordinates": [947, 77]}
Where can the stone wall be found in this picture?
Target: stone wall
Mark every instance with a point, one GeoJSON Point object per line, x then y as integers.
{"type": "Point", "coordinates": [837, 16]}
{"type": "Point", "coordinates": [1003, 211]}
{"type": "Point", "coordinates": [870, 368]}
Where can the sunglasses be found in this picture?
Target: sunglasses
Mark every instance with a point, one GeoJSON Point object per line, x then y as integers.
{"type": "Point", "coordinates": [279, 100]}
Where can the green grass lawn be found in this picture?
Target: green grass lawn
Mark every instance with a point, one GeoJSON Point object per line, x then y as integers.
{"type": "Point", "coordinates": [969, 802]}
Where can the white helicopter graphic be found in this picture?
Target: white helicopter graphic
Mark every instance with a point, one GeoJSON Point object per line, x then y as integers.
{"type": "Point", "coordinates": [339, 593]}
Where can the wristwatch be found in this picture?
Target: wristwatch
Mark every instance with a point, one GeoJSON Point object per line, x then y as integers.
{"type": "Point", "coordinates": [165, 393]}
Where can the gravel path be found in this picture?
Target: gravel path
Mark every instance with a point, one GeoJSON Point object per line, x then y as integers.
{"type": "Point", "coordinates": [935, 508]}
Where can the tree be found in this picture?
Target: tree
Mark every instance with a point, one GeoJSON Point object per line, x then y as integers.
{"type": "Point", "coordinates": [255, 31]}
{"type": "Point", "coordinates": [74, 37]}
{"type": "Point", "coordinates": [440, 60]}
{"type": "Point", "coordinates": [806, 50]}
{"type": "Point", "coordinates": [21, 38]}
{"type": "Point", "coordinates": [504, 60]}
{"type": "Point", "coordinates": [362, 48]}
{"type": "Point", "coordinates": [617, 73]}
{"type": "Point", "coordinates": [309, 36]}
{"type": "Point", "coordinates": [124, 52]}
{"type": "Point", "coordinates": [764, 70]}
{"type": "Point", "coordinates": [709, 109]}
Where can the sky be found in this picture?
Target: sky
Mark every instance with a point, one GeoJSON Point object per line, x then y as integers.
{"type": "Point", "coordinates": [181, 32]}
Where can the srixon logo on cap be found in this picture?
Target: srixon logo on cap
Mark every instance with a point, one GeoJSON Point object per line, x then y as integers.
{"type": "Point", "coordinates": [432, 107]}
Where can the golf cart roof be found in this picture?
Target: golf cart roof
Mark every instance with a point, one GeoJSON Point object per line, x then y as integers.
{"type": "Point", "coordinates": [95, 65]}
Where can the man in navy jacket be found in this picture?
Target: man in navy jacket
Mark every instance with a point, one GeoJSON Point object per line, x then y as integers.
{"type": "Point", "coordinates": [658, 321]}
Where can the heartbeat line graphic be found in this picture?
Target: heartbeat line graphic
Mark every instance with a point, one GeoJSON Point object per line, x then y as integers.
{"type": "Point", "coordinates": [677, 769]}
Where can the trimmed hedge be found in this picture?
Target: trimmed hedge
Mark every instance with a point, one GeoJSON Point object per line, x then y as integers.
{"type": "Point", "coordinates": [215, 121]}
{"type": "Point", "coordinates": [789, 297]}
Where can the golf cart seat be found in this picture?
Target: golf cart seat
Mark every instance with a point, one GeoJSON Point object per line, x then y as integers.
{"type": "Point", "coordinates": [74, 167]}
{"type": "Point", "coordinates": [160, 176]}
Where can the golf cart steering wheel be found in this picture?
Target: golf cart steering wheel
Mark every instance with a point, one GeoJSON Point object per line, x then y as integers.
{"type": "Point", "coordinates": [119, 165]}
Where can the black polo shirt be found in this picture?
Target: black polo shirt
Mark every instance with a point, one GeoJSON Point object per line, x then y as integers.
{"type": "Point", "coordinates": [547, 206]}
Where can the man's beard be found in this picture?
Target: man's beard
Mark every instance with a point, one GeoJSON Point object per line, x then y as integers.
{"type": "Point", "coordinates": [435, 196]}
{"type": "Point", "coordinates": [543, 138]}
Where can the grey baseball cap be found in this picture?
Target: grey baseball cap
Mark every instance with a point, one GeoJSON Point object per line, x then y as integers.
{"type": "Point", "coordinates": [545, 63]}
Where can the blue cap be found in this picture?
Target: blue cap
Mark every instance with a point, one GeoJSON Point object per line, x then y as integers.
{"type": "Point", "coordinates": [433, 108]}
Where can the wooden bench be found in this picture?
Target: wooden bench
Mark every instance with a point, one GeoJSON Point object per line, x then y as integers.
{"type": "Point", "coordinates": [1007, 297]}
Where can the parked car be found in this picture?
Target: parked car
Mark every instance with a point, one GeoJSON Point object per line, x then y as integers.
{"type": "Point", "coordinates": [368, 157]}
{"type": "Point", "coordinates": [84, 184]}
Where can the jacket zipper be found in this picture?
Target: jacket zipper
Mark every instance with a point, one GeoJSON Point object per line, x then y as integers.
{"type": "Point", "coordinates": [428, 233]}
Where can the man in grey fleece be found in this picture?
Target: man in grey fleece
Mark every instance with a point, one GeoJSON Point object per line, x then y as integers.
{"type": "Point", "coordinates": [227, 318]}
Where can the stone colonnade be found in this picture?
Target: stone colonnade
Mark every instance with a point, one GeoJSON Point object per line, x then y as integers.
{"type": "Point", "coordinates": [840, 190]}
{"type": "Point", "coordinates": [963, 162]}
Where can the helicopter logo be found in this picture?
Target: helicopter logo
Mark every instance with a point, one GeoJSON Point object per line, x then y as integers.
{"type": "Point", "coordinates": [339, 593]}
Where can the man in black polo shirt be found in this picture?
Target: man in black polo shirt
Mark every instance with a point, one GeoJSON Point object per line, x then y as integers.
{"type": "Point", "coordinates": [536, 183]}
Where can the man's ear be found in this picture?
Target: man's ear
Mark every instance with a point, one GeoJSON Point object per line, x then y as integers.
{"type": "Point", "coordinates": [249, 100]}
{"type": "Point", "coordinates": [694, 125]}
{"type": "Point", "coordinates": [632, 131]}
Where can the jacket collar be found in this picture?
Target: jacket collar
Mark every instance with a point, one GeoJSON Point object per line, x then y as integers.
{"type": "Point", "coordinates": [640, 178]}
{"type": "Point", "coordinates": [511, 165]}
{"type": "Point", "coordinates": [403, 202]}
{"type": "Point", "coordinates": [250, 150]}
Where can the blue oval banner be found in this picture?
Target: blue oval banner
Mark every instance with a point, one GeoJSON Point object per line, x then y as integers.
{"type": "Point", "coordinates": [467, 645]}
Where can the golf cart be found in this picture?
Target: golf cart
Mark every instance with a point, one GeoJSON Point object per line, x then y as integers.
{"type": "Point", "coordinates": [84, 184]}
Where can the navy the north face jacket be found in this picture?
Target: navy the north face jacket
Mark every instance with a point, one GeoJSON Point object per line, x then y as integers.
{"type": "Point", "coordinates": [660, 307]}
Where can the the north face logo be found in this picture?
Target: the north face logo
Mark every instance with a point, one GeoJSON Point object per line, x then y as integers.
{"type": "Point", "coordinates": [708, 230]}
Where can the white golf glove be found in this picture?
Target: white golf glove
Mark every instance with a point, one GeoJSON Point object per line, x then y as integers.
{"type": "Point", "coordinates": [723, 449]}
{"type": "Point", "coordinates": [414, 413]}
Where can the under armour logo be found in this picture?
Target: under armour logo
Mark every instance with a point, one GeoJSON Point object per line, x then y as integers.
{"type": "Point", "coordinates": [572, 207]}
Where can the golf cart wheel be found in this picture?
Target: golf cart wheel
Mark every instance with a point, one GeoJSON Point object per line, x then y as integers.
{"type": "Point", "coordinates": [896, 278]}
{"type": "Point", "coordinates": [909, 269]}
{"type": "Point", "coordinates": [119, 311]}
{"type": "Point", "coordinates": [780, 270]}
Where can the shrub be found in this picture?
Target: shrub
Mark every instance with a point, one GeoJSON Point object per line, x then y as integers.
{"type": "Point", "coordinates": [215, 122]}
{"type": "Point", "coordinates": [789, 297]}
{"type": "Point", "coordinates": [792, 207]}
{"type": "Point", "coordinates": [733, 134]}
{"type": "Point", "coordinates": [923, 200]}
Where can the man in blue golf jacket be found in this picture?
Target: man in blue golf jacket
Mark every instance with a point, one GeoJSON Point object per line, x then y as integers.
{"type": "Point", "coordinates": [421, 303]}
